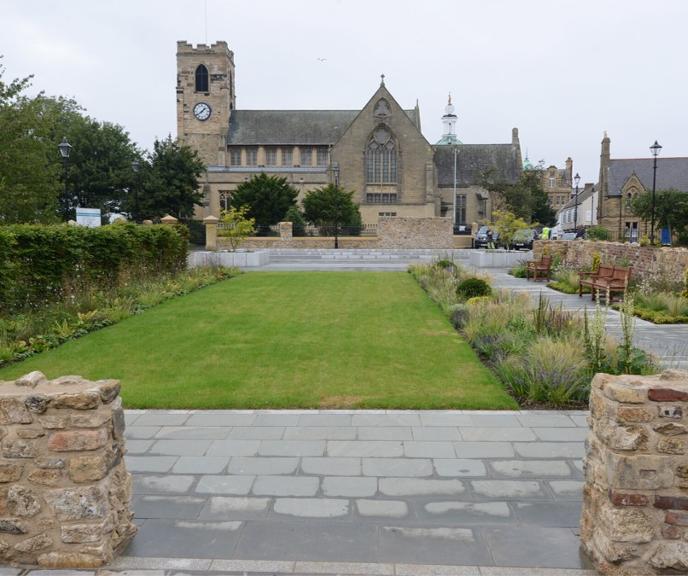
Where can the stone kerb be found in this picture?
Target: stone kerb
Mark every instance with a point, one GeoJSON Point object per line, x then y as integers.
{"type": "Point", "coordinates": [65, 492]}
{"type": "Point", "coordinates": [635, 500]}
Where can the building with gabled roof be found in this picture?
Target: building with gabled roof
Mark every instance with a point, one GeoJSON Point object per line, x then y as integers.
{"type": "Point", "coordinates": [621, 179]}
{"type": "Point", "coordinates": [378, 151]}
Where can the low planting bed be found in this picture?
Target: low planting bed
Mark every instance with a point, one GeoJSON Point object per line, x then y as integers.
{"type": "Point", "coordinates": [545, 356]}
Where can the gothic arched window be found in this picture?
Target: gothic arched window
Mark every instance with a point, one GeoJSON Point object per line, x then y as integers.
{"type": "Point", "coordinates": [381, 158]}
{"type": "Point", "coordinates": [201, 78]}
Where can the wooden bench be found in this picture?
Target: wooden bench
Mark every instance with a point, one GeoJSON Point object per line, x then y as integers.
{"type": "Point", "coordinates": [616, 284]}
{"type": "Point", "coordinates": [539, 267]}
{"type": "Point", "coordinates": [587, 279]}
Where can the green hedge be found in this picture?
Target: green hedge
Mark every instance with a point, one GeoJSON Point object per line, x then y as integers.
{"type": "Point", "coordinates": [40, 264]}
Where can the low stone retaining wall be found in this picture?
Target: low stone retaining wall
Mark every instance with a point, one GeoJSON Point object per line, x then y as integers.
{"type": "Point", "coordinates": [64, 490]}
{"type": "Point", "coordinates": [635, 507]}
{"type": "Point", "coordinates": [391, 233]}
{"type": "Point", "coordinates": [497, 258]}
{"type": "Point", "coordinates": [647, 262]}
{"type": "Point", "coordinates": [239, 259]}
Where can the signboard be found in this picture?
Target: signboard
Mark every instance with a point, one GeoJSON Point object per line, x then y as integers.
{"type": "Point", "coordinates": [89, 217]}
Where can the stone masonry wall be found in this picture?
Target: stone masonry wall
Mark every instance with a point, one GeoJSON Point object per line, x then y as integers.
{"type": "Point", "coordinates": [635, 500]}
{"type": "Point", "coordinates": [647, 262]}
{"type": "Point", "coordinates": [391, 233]}
{"type": "Point", "coordinates": [415, 233]}
{"type": "Point", "coordinates": [64, 490]}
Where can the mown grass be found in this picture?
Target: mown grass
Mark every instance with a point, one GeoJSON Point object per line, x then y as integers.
{"type": "Point", "coordinates": [286, 340]}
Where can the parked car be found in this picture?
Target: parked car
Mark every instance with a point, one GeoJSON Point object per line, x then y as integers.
{"type": "Point", "coordinates": [484, 237]}
{"type": "Point", "coordinates": [523, 239]}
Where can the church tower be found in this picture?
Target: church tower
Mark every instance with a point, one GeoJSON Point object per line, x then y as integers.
{"type": "Point", "coordinates": [205, 98]}
{"type": "Point", "coordinates": [449, 125]}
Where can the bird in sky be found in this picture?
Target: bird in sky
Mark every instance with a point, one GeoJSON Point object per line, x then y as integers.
{"type": "Point", "coordinates": [321, 60]}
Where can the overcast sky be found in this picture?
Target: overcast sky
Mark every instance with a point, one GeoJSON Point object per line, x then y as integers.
{"type": "Point", "coordinates": [561, 71]}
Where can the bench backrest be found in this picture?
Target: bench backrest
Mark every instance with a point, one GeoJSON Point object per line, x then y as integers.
{"type": "Point", "coordinates": [604, 271]}
{"type": "Point", "coordinates": [622, 273]}
{"type": "Point", "coordinates": [546, 260]}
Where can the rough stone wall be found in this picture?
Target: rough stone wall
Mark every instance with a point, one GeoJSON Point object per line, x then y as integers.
{"type": "Point", "coordinates": [635, 500]}
{"type": "Point", "coordinates": [64, 490]}
{"type": "Point", "coordinates": [391, 233]}
{"type": "Point", "coordinates": [647, 262]}
{"type": "Point", "coordinates": [415, 233]}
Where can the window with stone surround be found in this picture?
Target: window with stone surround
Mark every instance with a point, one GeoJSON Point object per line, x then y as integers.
{"type": "Point", "coordinates": [225, 196]}
{"type": "Point", "coordinates": [322, 155]}
{"type": "Point", "coordinates": [287, 156]}
{"type": "Point", "coordinates": [251, 155]}
{"type": "Point", "coordinates": [270, 156]}
{"type": "Point", "coordinates": [386, 214]}
{"type": "Point", "coordinates": [235, 156]}
{"type": "Point", "coordinates": [381, 198]}
{"type": "Point", "coordinates": [306, 156]}
{"type": "Point", "coordinates": [201, 78]}
{"type": "Point", "coordinates": [381, 157]}
{"type": "Point", "coordinates": [460, 216]}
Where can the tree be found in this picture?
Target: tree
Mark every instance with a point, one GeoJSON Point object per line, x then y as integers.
{"type": "Point", "coordinates": [671, 211]}
{"type": "Point", "coordinates": [29, 159]}
{"type": "Point", "coordinates": [167, 182]}
{"type": "Point", "coordinates": [526, 198]}
{"type": "Point", "coordinates": [506, 224]}
{"type": "Point", "coordinates": [268, 198]}
{"type": "Point", "coordinates": [100, 166]}
{"type": "Point", "coordinates": [237, 226]}
{"type": "Point", "coordinates": [295, 216]}
{"type": "Point", "coordinates": [330, 206]}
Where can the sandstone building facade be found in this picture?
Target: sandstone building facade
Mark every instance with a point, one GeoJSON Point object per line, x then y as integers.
{"type": "Point", "coordinates": [378, 151]}
{"type": "Point", "coordinates": [621, 179]}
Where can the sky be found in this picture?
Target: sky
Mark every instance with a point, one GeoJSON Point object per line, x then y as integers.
{"type": "Point", "coordinates": [562, 71]}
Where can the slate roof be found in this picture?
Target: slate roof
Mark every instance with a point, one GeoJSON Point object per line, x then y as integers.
{"type": "Point", "coordinates": [275, 127]}
{"type": "Point", "coordinates": [671, 173]}
{"type": "Point", "coordinates": [583, 195]}
{"type": "Point", "coordinates": [473, 160]}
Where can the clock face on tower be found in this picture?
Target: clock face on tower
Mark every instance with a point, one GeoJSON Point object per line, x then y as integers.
{"type": "Point", "coordinates": [202, 111]}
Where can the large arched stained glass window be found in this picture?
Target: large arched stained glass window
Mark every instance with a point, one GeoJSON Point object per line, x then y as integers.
{"type": "Point", "coordinates": [201, 78]}
{"type": "Point", "coordinates": [381, 158]}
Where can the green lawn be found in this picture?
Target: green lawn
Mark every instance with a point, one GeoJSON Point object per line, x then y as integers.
{"type": "Point", "coordinates": [286, 340]}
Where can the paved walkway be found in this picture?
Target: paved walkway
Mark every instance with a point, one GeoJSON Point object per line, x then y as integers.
{"type": "Point", "coordinates": [668, 342]}
{"type": "Point", "coordinates": [385, 490]}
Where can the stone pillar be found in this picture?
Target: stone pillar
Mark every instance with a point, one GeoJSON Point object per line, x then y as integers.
{"type": "Point", "coordinates": [635, 500]}
{"type": "Point", "coordinates": [211, 232]}
{"type": "Point", "coordinates": [168, 219]}
{"type": "Point", "coordinates": [286, 230]}
{"type": "Point", "coordinates": [65, 492]}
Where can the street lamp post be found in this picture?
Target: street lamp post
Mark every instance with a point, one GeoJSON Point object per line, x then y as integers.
{"type": "Point", "coordinates": [65, 149]}
{"type": "Point", "coordinates": [134, 212]}
{"type": "Point", "coordinates": [335, 171]}
{"type": "Point", "coordinates": [576, 179]}
{"type": "Point", "coordinates": [655, 149]}
{"type": "Point", "coordinates": [456, 149]}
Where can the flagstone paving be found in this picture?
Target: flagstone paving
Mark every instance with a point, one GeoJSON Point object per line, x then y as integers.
{"type": "Point", "coordinates": [377, 490]}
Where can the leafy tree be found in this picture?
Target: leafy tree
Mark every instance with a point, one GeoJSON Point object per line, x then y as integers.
{"type": "Point", "coordinates": [167, 182]}
{"type": "Point", "coordinates": [506, 224]}
{"type": "Point", "coordinates": [331, 205]}
{"type": "Point", "coordinates": [29, 159]}
{"type": "Point", "coordinates": [99, 168]}
{"type": "Point", "coordinates": [295, 216]}
{"type": "Point", "coordinates": [268, 198]}
{"type": "Point", "coordinates": [526, 198]}
{"type": "Point", "coordinates": [237, 226]}
{"type": "Point", "coordinates": [671, 211]}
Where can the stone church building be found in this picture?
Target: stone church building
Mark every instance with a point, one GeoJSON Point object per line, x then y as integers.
{"type": "Point", "coordinates": [379, 151]}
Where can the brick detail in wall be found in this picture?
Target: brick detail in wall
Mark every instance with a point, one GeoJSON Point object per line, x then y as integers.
{"type": "Point", "coordinates": [65, 493]}
{"type": "Point", "coordinates": [635, 498]}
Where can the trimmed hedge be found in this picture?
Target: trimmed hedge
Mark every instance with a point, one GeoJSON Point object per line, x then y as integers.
{"type": "Point", "coordinates": [40, 264]}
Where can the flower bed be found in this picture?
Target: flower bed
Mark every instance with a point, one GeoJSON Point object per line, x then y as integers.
{"type": "Point", "coordinates": [43, 327]}
{"type": "Point", "coordinates": [544, 355]}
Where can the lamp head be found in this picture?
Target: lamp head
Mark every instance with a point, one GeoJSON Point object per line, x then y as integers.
{"type": "Point", "coordinates": [577, 179]}
{"type": "Point", "coordinates": [65, 148]}
{"type": "Point", "coordinates": [656, 149]}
